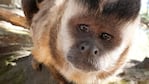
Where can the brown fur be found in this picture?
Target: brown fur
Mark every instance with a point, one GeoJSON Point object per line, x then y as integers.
{"type": "Point", "coordinates": [41, 40]}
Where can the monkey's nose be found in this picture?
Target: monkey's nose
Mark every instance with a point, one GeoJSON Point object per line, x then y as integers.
{"type": "Point", "coordinates": [87, 48]}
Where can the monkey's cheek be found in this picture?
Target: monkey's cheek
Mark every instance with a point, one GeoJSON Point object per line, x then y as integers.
{"type": "Point", "coordinates": [82, 64]}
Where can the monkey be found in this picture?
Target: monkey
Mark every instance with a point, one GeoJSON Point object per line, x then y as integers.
{"type": "Point", "coordinates": [82, 41]}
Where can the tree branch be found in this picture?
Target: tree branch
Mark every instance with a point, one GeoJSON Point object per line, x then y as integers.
{"type": "Point", "coordinates": [13, 18]}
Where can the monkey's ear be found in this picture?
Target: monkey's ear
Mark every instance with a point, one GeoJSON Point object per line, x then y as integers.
{"type": "Point", "coordinates": [30, 7]}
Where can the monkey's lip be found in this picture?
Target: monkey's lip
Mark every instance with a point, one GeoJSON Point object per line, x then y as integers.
{"type": "Point", "coordinates": [84, 66]}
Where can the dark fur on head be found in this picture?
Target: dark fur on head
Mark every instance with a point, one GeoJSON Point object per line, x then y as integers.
{"type": "Point", "coordinates": [126, 9]}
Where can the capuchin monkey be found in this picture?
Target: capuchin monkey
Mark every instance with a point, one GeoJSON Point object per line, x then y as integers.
{"type": "Point", "coordinates": [82, 41]}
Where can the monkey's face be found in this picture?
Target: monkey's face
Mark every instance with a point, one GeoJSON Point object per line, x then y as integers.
{"type": "Point", "coordinates": [94, 40]}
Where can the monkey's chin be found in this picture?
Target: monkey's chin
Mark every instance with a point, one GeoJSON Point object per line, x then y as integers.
{"type": "Point", "coordinates": [85, 69]}
{"type": "Point", "coordinates": [82, 66]}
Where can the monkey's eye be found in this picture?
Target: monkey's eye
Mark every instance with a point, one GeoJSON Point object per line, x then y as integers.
{"type": "Point", "coordinates": [83, 28]}
{"type": "Point", "coordinates": [105, 36]}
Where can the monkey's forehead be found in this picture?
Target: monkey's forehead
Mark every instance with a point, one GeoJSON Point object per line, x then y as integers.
{"type": "Point", "coordinates": [120, 8]}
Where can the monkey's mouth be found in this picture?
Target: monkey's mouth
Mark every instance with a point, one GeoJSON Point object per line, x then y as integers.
{"type": "Point", "coordinates": [82, 64]}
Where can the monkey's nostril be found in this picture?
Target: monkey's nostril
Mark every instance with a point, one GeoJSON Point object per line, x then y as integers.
{"type": "Point", "coordinates": [95, 52]}
{"type": "Point", "coordinates": [82, 48]}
